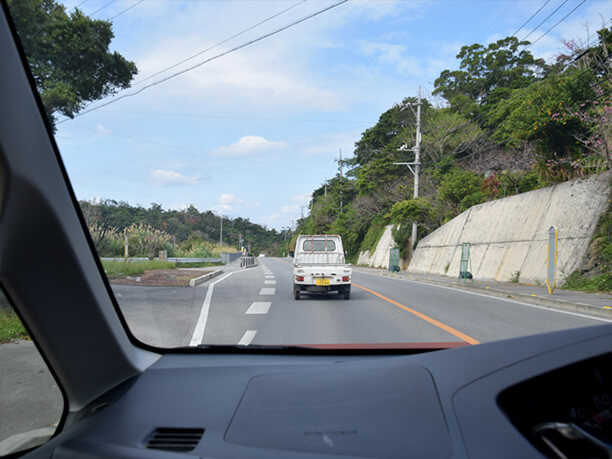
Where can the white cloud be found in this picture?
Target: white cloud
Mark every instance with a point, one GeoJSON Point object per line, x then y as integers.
{"type": "Point", "coordinates": [330, 144]}
{"type": "Point", "coordinates": [102, 130]}
{"type": "Point", "coordinates": [249, 145]}
{"type": "Point", "coordinates": [301, 198]}
{"type": "Point", "coordinates": [221, 208]}
{"type": "Point", "coordinates": [226, 199]}
{"type": "Point", "coordinates": [291, 209]}
{"type": "Point", "coordinates": [161, 177]}
{"type": "Point", "coordinates": [391, 54]}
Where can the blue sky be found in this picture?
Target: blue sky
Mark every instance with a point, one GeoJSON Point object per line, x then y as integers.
{"type": "Point", "coordinates": [253, 133]}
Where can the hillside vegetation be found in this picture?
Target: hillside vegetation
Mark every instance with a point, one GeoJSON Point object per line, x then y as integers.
{"type": "Point", "coordinates": [183, 233]}
{"type": "Point", "coordinates": [504, 123]}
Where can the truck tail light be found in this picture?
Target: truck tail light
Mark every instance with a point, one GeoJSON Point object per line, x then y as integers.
{"type": "Point", "coordinates": [299, 278]}
{"type": "Point", "coordinates": [345, 278]}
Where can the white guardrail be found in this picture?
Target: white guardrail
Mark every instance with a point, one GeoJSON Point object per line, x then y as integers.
{"type": "Point", "coordinates": [170, 259]}
{"type": "Point", "coordinates": [247, 262]}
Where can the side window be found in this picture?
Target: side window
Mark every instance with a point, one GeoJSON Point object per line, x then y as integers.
{"type": "Point", "coordinates": [31, 403]}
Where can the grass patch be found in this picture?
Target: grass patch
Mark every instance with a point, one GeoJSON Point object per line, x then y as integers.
{"type": "Point", "coordinates": [598, 283]}
{"type": "Point", "coordinates": [121, 268]}
{"type": "Point", "coordinates": [11, 327]}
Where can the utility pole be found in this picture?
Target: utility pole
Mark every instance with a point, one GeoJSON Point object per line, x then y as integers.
{"type": "Point", "coordinates": [341, 176]}
{"type": "Point", "coordinates": [417, 161]}
{"type": "Point", "coordinates": [221, 231]}
{"type": "Point", "coordinates": [125, 240]}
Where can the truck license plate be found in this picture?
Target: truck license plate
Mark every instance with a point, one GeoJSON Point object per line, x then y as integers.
{"type": "Point", "coordinates": [322, 281]}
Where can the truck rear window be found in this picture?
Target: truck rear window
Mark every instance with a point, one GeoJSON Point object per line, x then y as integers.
{"type": "Point", "coordinates": [319, 245]}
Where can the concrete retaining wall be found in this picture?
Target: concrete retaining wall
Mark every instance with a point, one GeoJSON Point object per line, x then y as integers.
{"type": "Point", "coordinates": [380, 257]}
{"type": "Point", "coordinates": [511, 234]}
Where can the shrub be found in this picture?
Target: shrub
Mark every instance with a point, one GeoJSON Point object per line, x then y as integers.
{"type": "Point", "coordinates": [146, 241]}
{"type": "Point", "coordinates": [462, 188]}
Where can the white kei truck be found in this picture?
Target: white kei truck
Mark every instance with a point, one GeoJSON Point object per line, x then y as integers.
{"type": "Point", "coordinates": [319, 265]}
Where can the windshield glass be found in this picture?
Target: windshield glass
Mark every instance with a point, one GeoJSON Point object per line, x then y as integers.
{"type": "Point", "coordinates": [460, 152]}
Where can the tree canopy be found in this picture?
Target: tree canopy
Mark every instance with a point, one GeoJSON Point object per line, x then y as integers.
{"type": "Point", "coordinates": [68, 55]}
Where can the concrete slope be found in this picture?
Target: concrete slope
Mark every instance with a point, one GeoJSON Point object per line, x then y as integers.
{"type": "Point", "coordinates": [379, 258]}
{"type": "Point", "coordinates": [511, 234]}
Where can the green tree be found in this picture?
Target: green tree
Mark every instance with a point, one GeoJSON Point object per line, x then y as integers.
{"type": "Point", "coordinates": [488, 74]}
{"type": "Point", "coordinates": [68, 55]}
{"type": "Point", "coordinates": [448, 135]}
{"type": "Point", "coordinates": [462, 188]}
{"type": "Point", "coordinates": [548, 113]}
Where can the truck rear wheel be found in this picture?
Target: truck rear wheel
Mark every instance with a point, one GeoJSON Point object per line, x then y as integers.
{"type": "Point", "coordinates": [296, 293]}
{"type": "Point", "coordinates": [347, 293]}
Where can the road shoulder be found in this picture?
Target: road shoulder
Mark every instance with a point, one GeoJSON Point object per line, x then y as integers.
{"type": "Point", "coordinates": [599, 305]}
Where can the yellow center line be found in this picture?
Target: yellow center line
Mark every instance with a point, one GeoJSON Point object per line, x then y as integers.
{"type": "Point", "coordinates": [451, 330]}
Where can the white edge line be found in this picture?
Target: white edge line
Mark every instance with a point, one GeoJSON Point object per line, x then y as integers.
{"type": "Point", "coordinates": [198, 332]}
{"type": "Point", "coordinates": [247, 338]}
{"type": "Point", "coordinates": [493, 297]}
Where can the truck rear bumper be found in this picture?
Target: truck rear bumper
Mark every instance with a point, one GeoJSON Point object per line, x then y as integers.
{"type": "Point", "coordinates": [321, 288]}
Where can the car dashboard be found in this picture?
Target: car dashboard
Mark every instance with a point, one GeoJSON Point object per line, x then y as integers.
{"type": "Point", "coordinates": [503, 399]}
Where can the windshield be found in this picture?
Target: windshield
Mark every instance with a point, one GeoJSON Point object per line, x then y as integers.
{"type": "Point", "coordinates": [459, 153]}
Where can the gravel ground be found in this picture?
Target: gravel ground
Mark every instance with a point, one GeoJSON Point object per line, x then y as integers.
{"type": "Point", "coordinates": [162, 277]}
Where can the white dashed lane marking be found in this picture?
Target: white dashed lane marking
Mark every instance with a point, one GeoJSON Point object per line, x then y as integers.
{"type": "Point", "coordinates": [267, 291]}
{"type": "Point", "coordinates": [247, 337]}
{"type": "Point", "coordinates": [270, 282]}
{"type": "Point", "coordinates": [259, 307]}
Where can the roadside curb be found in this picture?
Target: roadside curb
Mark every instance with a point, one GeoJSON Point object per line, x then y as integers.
{"type": "Point", "coordinates": [506, 294]}
{"type": "Point", "coordinates": [198, 280]}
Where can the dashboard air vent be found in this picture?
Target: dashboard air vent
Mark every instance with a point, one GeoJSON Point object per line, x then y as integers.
{"type": "Point", "coordinates": [179, 439]}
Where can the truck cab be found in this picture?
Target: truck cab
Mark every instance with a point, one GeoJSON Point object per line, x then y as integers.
{"type": "Point", "coordinates": [319, 266]}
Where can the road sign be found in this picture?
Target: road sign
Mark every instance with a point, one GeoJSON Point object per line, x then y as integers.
{"type": "Point", "coordinates": [551, 259]}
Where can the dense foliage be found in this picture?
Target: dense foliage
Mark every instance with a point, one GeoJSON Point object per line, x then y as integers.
{"type": "Point", "coordinates": [183, 233]}
{"type": "Point", "coordinates": [509, 123]}
{"type": "Point", "coordinates": [68, 55]}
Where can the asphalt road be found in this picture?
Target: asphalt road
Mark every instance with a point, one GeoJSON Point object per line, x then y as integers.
{"type": "Point", "coordinates": [256, 306]}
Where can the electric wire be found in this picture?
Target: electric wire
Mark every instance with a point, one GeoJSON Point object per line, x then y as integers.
{"type": "Point", "coordinates": [125, 10]}
{"type": "Point", "coordinates": [217, 56]}
{"type": "Point", "coordinates": [545, 19]}
{"type": "Point", "coordinates": [499, 16]}
{"type": "Point", "coordinates": [78, 4]}
{"type": "Point", "coordinates": [531, 17]}
{"type": "Point", "coordinates": [102, 7]}
{"type": "Point", "coordinates": [219, 43]}
{"type": "Point", "coordinates": [558, 22]}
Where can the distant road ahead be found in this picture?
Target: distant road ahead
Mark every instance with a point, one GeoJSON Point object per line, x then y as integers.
{"type": "Point", "coordinates": [256, 306]}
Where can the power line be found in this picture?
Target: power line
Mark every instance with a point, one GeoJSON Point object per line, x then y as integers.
{"type": "Point", "coordinates": [101, 8]}
{"type": "Point", "coordinates": [234, 117]}
{"type": "Point", "coordinates": [545, 19]}
{"type": "Point", "coordinates": [78, 4]}
{"type": "Point", "coordinates": [558, 22]}
{"type": "Point", "coordinates": [531, 17]}
{"type": "Point", "coordinates": [244, 45]}
{"type": "Point", "coordinates": [220, 43]}
{"type": "Point", "coordinates": [497, 17]}
{"type": "Point", "coordinates": [125, 10]}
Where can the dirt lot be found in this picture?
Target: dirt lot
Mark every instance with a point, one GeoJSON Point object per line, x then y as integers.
{"type": "Point", "coordinates": [162, 277]}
